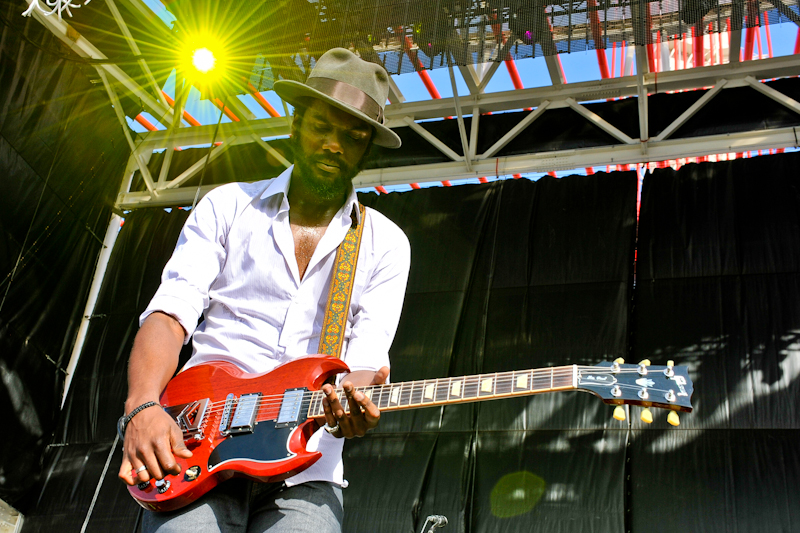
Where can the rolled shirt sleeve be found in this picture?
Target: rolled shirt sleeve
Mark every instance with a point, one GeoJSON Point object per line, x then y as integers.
{"type": "Point", "coordinates": [196, 262]}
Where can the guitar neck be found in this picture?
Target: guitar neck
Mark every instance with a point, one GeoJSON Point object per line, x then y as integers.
{"type": "Point", "coordinates": [447, 391]}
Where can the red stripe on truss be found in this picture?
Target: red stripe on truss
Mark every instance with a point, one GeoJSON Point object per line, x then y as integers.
{"type": "Point", "coordinates": [263, 101]}
{"type": "Point", "coordinates": [144, 122]}
{"type": "Point", "coordinates": [225, 110]}
{"type": "Point", "coordinates": [186, 116]}
{"type": "Point", "coordinates": [599, 43]}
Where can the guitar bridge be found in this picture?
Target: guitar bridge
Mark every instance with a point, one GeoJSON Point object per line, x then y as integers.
{"type": "Point", "coordinates": [191, 418]}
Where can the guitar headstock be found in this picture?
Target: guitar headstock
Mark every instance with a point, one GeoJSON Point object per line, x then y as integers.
{"type": "Point", "coordinates": [665, 387]}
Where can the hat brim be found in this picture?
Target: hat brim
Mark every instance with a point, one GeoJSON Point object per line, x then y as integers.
{"type": "Point", "coordinates": [292, 91]}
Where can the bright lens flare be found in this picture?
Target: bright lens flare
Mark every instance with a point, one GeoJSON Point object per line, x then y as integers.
{"type": "Point", "coordinates": [203, 60]}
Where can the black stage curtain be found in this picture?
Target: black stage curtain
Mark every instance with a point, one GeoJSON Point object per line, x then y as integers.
{"type": "Point", "coordinates": [718, 289]}
{"type": "Point", "coordinates": [517, 275]}
{"type": "Point", "coordinates": [62, 155]}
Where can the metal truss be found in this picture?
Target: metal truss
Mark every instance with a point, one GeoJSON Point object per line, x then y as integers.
{"type": "Point", "coordinates": [542, 99]}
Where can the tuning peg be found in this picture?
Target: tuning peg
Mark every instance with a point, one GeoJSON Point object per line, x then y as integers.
{"type": "Point", "coordinates": [645, 362]}
{"type": "Point", "coordinates": [670, 363]}
{"type": "Point", "coordinates": [619, 360]}
{"type": "Point", "coordinates": [647, 416]}
{"type": "Point", "coordinates": [673, 418]}
{"type": "Point", "coordinates": [619, 413]}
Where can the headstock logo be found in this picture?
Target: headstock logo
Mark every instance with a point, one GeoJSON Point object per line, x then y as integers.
{"type": "Point", "coordinates": [645, 382]}
{"type": "Point", "coordinates": [593, 379]}
{"type": "Point", "coordinates": [680, 381]}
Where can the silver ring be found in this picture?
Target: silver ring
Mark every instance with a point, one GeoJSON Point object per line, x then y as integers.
{"type": "Point", "coordinates": [332, 429]}
{"type": "Point", "coordinates": [141, 469]}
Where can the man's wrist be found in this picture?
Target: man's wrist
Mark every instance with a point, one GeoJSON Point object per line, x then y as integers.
{"type": "Point", "coordinates": [134, 402]}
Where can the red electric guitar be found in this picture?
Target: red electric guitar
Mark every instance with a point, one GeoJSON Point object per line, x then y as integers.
{"type": "Point", "coordinates": [257, 425]}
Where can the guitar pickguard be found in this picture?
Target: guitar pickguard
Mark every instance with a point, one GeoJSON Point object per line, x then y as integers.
{"type": "Point", "coordinates": [266, 444]}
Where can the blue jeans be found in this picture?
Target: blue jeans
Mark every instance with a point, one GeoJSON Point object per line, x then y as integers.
{"type": "Point", "coordinates": [242, 506]}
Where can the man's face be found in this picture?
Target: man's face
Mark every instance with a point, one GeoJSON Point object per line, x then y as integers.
{"type": "Point", "coordinates": [330, 146]}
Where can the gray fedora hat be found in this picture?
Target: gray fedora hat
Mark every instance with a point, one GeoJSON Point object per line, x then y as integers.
{"type": "Point", "coordinates": [353, 85]}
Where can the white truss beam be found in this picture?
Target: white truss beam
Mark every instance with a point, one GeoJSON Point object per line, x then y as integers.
{"type": "Point", "coordinates": [621, 154]}
{"type": "Point", "coordinates": [598, 121]}
{"type": "Point", "coordinates": [112, 95]}
{"type": "Point", "coordinates": [272, 151]}
{"type": "Point", "coordinates": [554, 69]}
{"type": "Point", "coordinates": [433, 140]}
{"type": "Point", "coordinates": [135, 49]}
{"type": "Point", "coordinates": [190, 172]}
{"type": "Point", "coordinates": [462, 130]}
{"type": "Point", "coordinates": [516, 130]}
{"type": "Point", "coordinates": [689, 113]}
{"type": "Point", "coordinates": [81, 46]}
{"type": "Point", "coordinates": [597, 90]}
{"type": "Point", "coordinates": [772, 93]}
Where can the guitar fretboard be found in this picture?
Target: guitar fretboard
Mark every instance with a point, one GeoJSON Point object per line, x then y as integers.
{"type": "Point", "coordinates": [444, 391]}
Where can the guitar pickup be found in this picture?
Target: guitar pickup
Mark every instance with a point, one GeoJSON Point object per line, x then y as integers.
{"type": "Point", "coordinates": [290, 411]}
{"type": "Point", "coordinates": [191, 418]}
{"type": "Point", "coordinates": [244, 414]}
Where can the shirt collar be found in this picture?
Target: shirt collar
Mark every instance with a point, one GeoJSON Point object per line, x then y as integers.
{"type": "Point", "coordinates": [280, 185]}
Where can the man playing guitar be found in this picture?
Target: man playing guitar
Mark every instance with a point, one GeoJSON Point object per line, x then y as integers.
{"type": "Point", "coordinates": [256, 260]}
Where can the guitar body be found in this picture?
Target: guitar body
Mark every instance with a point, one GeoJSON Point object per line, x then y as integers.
{"type": "Point", "coordinates": [259, 448]}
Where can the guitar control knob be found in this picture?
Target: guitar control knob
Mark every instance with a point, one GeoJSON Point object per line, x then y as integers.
{"type": "Point", "coordinates": [673, 418]}
{"type": "Point", "coordinates": [162, 485]}
{"type": "Point", "coordinates": [619, 413]}
{"type": "Point", "coordinates": [647, 416]}
{"type": "Point", "coordinates": [143, 485]}
{"type": "Point", "coordinates": [192, 473]}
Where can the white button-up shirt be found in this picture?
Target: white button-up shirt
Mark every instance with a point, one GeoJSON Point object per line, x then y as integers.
{"type": "Point", "coordinates": [235, 265]}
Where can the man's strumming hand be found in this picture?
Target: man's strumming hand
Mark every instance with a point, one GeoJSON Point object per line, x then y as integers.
{"type": "Point", "coordinates": [153, 440]}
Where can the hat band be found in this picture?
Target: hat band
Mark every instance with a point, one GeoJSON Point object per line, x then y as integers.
{"type": "Point", "coordinates": [348, 94]}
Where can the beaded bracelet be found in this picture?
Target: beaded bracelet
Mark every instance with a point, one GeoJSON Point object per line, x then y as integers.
{"type": "Point", "coordinates": [123, 421]}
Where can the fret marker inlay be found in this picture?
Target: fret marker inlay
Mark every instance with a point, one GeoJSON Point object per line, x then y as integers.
{"type": "Point", "coordinates": [456, 391]}
{"type": "Point", "coordinates": [395, 394]}
{"type": "Point", "coordinates": [522, 382]}
{"type": "Point", "coordinates": [429, 391]}
{"type": "Point", "coordinates": [486, 385]}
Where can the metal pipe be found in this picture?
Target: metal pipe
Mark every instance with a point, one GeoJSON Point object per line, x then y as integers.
{"type": "Point", "coordinates": [599, 42]}
{"type": "Point", "coordinates": [94, 290]}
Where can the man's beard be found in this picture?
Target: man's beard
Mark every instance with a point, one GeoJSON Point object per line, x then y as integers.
{"type": "Point", "coordinates": [337, 186]}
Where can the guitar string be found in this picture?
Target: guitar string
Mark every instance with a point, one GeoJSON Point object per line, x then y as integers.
{"type": "Point", "coordinates": [546, 374]}
{"type": "Point", "coordinates": [407, 388]}
{"type": "Point", "coordinates": [502, 378]}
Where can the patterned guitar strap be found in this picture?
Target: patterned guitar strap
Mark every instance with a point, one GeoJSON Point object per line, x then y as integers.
{"type": "Point", "coordinates": [334, 324]}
